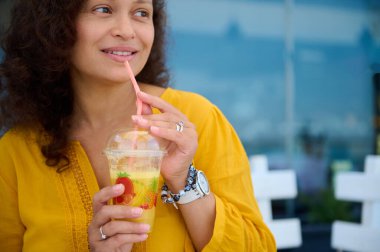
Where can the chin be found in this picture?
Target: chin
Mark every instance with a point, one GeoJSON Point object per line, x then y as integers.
{"type": "Point", "coordinates": [117, 77]}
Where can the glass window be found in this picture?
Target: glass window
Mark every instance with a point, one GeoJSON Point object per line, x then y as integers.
{"type": "Point", "coordinates": [295, 78]}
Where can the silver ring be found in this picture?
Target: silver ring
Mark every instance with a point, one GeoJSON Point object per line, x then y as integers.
{"type": "Point", "coordinates": [179, 126]}
{"type": "Point", "coordinates": [102, 235]}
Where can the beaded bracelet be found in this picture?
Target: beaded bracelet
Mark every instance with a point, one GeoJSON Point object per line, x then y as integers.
{"type": "Point", "coordinates": [171, 198]}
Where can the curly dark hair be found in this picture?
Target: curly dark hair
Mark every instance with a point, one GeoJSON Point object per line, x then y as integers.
{"type": "Point", "coordinates": [35, 88]}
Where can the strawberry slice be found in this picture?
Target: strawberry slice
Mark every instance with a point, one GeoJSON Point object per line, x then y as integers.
{"type": "Point", "coordinates": [145, 206]}
{"type": "Point", "coordinates": [151, 199]}
{"type": "Point", "coordinates": [129, 193]}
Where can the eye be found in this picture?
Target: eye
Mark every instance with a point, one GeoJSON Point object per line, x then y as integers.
{"type": "Point", "coordinates": [142, 13]}
{"type": "Point", "coordinates": [103, 9]}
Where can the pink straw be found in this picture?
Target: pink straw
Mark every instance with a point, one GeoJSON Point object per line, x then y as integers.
{"type": "Point", "coordinates": [135, 86]}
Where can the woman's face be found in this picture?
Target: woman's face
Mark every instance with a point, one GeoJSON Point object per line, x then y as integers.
{"type": "Point", "coordinates": [110, 32]}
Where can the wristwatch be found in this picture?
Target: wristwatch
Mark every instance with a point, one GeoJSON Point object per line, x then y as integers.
{"type": "Point", "coordinates": [200, 189]}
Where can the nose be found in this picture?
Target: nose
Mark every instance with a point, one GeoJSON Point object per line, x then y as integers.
{"type": "Point", "coordinates": [123, 27]}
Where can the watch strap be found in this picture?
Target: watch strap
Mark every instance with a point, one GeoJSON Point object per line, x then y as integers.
{"type": "Point", "coordinates": [190, 196]}
{"type": "Point", "coordinates": [191, 192]}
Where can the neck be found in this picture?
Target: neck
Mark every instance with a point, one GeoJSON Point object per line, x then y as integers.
{"type": "Point", "coordinates": [103, 105]}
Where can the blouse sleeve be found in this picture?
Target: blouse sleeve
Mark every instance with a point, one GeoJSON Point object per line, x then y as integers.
{"type": "Point", "coordinates": [11, 228]}
{"type": "Point", "coordinates": [238, 225]}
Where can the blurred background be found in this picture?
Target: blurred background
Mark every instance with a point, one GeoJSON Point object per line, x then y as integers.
{"type": "Point", "coordinates": [297, 80]}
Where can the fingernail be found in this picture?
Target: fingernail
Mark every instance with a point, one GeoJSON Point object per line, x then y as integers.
{"type": "Point", "coordinates": [137, 211]}
{"type": "Point", "coordinates": [145, 227]}
{"type": "Point", "coordinates": [144, 237]}
{"type": "Point", "coordinates": [142, 93]}
{"type": "Point", "coordinates": [143, 120]}
{"type": "Point", "coordinates": [154, 129]}
{"type": "Point", "coordinates": [118, 188]}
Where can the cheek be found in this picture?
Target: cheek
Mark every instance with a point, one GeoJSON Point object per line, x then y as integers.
{"type": "Point", "coordinates": [87, 32]}
{"type": "Point", "coordinates": [153, 34]}
{"type": "Point", "coordinates": [80, 29]}
{"type": "Point", "coordinates": [80, 39]}
{"type": "Point", "coordinates": [149, 37]}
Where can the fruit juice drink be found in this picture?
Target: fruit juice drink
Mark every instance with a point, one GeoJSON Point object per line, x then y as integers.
{"type": "Point", "coordinates": [141, 189]}
{"type": "Point", "coordinates": [134, 159]}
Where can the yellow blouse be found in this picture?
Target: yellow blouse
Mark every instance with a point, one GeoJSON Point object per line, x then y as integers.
{"type": "Point", "coordinates": [42, 210]}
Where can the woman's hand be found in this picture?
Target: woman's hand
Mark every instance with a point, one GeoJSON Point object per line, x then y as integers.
{"type": "Point", "coordinates": [120, 235]}
{"type": "Point", "coordinates": [180, 145]}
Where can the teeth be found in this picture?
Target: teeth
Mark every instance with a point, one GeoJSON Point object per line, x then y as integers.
{"type": "Point", "coordinates": [120, 53]}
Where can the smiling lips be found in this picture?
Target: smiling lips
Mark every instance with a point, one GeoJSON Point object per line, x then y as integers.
{"type": "Point", "coordinates": [120, 54]}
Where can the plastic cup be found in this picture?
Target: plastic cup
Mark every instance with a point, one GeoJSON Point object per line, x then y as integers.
{"type": "Point", "coordinates": [134, 158]}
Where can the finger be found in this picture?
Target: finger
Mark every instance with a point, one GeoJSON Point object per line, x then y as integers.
{"type": "Point", "coordinates": [119, 242]}
{"type": "Point", "coordinates": [146, 123]}
{"type": "Point", "coordinates": [104, 195]}
{"type": "Point", "coordinates": [113, 228]}
{"type": "Point", "coordinates": [106, 213]}
{"type": "Point", "coordinates": [124, 240]}
{"type": "Point", "coordinates": [157, 102]}
{"type": "Point", "coordinates": [182, 139]}
{"type": "Point", "coordinates": [166, 117]}
{"type": "Point", "coordinates": [146, 109]}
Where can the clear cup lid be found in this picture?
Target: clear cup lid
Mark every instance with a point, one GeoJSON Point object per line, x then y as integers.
{"type": "Point", "coordinates": [130, 142]}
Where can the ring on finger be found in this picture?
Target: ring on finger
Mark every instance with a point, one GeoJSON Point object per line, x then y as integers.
{"type": "Point", "coordinates": [102, 235]}
{"type": "Point", "coordinates": [180, 126]}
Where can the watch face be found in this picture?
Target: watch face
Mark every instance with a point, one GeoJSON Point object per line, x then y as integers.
{"type": "Point", "coordinates": [203, 183]}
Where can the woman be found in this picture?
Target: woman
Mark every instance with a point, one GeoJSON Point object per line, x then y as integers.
{"type": "Point", "coordinates": [64, 90]}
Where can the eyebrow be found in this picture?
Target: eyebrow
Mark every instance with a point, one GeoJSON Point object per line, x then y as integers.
{"type": "Point", "coordinates": [143, 1]}
{"type": "Point", "coordinates": [140, 1]}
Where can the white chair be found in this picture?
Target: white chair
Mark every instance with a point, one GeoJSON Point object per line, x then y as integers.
{"type": "Point", "coordinates": [274, 185]}
{"type": "Point", "coordinates": [359, 187]}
